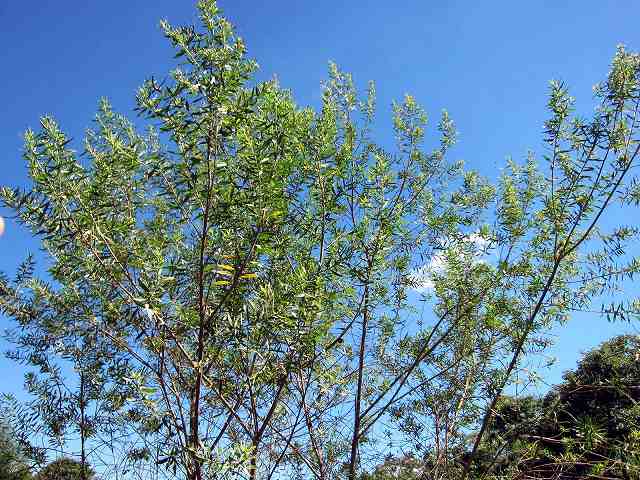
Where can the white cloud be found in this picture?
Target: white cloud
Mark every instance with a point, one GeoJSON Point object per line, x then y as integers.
{"type": "Point", "coordinates": [473, 243]}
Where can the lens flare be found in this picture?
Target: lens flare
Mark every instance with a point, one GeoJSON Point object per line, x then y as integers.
{"type": "Point", "coordinates": [1, 226]}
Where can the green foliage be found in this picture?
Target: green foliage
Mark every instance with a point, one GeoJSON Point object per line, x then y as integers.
{"type": "Point", "coordinates": [405, 468]}
{"type": "Point", "coordinates": [251, 287]}
{"type": "Point", "coordinates": [65, 469]}
{"type": "Point", "coordinates": [587, 425]}
{"type": "Point", "coordinates": [14, 464]}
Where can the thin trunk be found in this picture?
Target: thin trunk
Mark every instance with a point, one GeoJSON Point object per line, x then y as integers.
{"type": "Point", "coordinates": [83, 453]}
{"type": "Point", "coordinates": [253, 462]}
{"type": "Point", "coordinates": [194, 413]}
{"type": "Point", "coordinates": [194, 421]}
{"type": "Point", "coordinates": [358, 402]}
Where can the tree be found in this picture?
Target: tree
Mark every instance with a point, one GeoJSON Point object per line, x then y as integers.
{"type": "Point", "coordinates": [589, 425]}
{"type": "Point", "coordinates": [405, 468]}
{"type": "Point", "coordinates": [65, 469]}
{"type": "Point", "coordinates": [13, 462]}
{"type": "Point", "coordinates": [73, 397]}
{"type": "Point", "coordinates": [250, 268]}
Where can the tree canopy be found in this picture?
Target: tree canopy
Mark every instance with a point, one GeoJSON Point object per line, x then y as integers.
{"type": "Point", "coordinates": [14, 464]}
{"type": "Point", "coordinates": [65, 469]}
{"type": "Point", "coordinates": [248, 288]}
{"type": "Point", "coordinates": [587, 426]}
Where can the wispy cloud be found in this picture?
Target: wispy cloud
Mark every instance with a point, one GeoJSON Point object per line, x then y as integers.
{"type": "Point", "coordinates": [474, 245]}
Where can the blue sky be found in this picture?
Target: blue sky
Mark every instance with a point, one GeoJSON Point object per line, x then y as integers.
{"type": "Point", "coordinates": [487, 63]}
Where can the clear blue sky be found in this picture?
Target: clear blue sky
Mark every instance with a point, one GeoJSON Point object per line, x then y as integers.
{"type": "Point", "coordinates": [488, 63]}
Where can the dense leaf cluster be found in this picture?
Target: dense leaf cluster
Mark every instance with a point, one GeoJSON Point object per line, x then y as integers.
{"type": "Point", "coordinates": [587, 426]}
